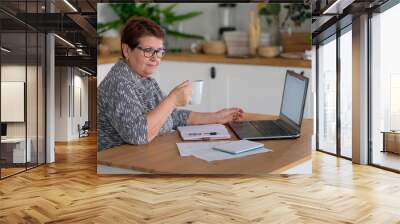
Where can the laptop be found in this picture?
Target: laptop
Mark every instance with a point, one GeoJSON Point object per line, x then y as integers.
{"type": "Point", "coordinates": [290, 117]}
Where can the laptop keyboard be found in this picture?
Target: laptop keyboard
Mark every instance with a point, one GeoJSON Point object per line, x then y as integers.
{"type": "Point", "coordinates": [268, 128]}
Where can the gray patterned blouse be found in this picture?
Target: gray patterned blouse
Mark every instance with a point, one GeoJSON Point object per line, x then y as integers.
{"type": "Point", "coordinates": [123, 101]}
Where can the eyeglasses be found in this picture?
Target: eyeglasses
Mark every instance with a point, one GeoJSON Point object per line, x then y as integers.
{"type": "Point", "coordinates": [149, 52]}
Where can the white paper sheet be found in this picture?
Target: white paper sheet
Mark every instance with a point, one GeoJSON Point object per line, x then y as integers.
{"type": "Point", "coordinates": [200, 132]}
{"type": "Point", "coordinates": [204, 151]}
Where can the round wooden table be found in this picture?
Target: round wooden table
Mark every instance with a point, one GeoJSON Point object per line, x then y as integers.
{"type": "Point", "coordinates": [161, 156]}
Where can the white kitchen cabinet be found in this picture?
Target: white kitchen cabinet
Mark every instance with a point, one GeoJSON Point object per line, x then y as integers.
{"type": "Point", "coordinates": [255, 88]}
{"type": "Point", "coordinates": [214, 97]}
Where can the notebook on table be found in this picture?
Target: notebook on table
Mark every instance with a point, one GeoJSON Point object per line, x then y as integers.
{"type": "Point", "coordinates": [204, 132]}
{"type": "Point", "coordinates": [236, 147]}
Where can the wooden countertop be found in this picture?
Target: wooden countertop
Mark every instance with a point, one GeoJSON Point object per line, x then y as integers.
{"type": "Point", "coordinates": [161, 156]}
{"type": "Point", "coordinates": [206, 58]}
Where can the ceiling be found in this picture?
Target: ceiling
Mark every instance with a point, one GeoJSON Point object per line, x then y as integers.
{"type": "Point", "coordinates": [18, 17]}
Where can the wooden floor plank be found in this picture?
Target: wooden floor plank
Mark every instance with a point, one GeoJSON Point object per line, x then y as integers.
{"type": "Point", "coordinates": [70, 191]}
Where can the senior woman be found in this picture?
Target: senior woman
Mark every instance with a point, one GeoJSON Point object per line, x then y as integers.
{"type": "Point", "coordinates": [131, 107]}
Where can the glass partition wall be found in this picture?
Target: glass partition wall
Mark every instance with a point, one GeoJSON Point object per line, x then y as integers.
{"type": "Point", "coordinates": [346, 75]}
{"type": "Point", "coordinates": [327, 96]}
{"type": "Point", "coordinates": [334, 94]}
{"type": "Point", "coordinates": [334, 89]}
{"type": "Point", "coordinates": [13, 86]}
{"type": "Point", "coordinates": [22, 77]}
{"type": "Point", "coordinates": [385, 89]}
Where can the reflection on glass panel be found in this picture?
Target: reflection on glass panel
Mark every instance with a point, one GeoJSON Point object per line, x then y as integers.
{"type": "Point", "coordinates": [13, 84]}
{"type": "Point", "coordinates": [327, 97]}
{"type": "Point", "coordinates": [41, 99]}
{"type": "Point", "coordinates": [22, 88]}
{"type": "Point", "coordinates": [394, 101]}
{"type": "Point", "coordinates": [346, 94]}
{"type": "Point", "coordinates": [385, 86]}
{"type": "Point", "coordinates": [31, 101]}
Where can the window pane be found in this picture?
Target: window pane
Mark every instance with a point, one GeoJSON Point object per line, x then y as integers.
{"type": "Point", "coordinates": [41, 98]}
{"type": "Point", "coordinates": [385, 84]}
{"type": "Point", "coordinates": [346, 94]}
{"type": "Point", "coordinates": [327, 97]}
{"type": "Point", "coordinates": [31, 97]}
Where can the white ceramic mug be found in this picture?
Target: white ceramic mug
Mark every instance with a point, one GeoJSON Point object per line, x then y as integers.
{"type": "Point", "coordinates": [197, 92]}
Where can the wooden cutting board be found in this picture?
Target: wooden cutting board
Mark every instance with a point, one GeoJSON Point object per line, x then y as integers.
{"type": "Point", "coordinates": [296, 42]}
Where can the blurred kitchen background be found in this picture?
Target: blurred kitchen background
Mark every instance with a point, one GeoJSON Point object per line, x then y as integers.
{"type": "Point", "coordinates": [242, 51]}
{"type": "Point", "coordinates": [279, 24]}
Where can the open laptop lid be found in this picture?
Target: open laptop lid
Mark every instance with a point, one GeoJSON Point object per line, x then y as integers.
{"type": "Point", "coordinates": [294, 99]}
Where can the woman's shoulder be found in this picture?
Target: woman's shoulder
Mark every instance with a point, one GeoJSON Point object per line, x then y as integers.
{"type": "Point", "coordinates": [118, 70]}
{"type": "Point", "coordinates": [119, 73]}
{"type": "Point", "coordinates": [115, 81]}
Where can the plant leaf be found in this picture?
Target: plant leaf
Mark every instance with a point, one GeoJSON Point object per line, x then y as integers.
{"type": "Point", "coordinates": [169, 8]}
{"type": "Point", "coordinates": [171, 18]}
{"type": "Point", "coordinates": [102, 27]}
{"type": "Point", "coordinates": [163, 17]}
{"type": "Point", "coordinates": [183, 35]}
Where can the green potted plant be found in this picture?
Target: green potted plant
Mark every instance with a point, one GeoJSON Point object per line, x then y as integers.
{"type": "Point", "coordinates": [269, 13]}
{"type": "Point", "coordinates": [297, 13]}
{"type": "Point", "coordinates": [165, 17]}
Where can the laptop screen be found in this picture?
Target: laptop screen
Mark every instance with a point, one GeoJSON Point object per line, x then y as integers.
{"type": "Point", "coordinates": [293, 98]}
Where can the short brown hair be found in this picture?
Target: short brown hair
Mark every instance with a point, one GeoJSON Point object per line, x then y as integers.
{"type": "Point", "coordinates": [137, 27]}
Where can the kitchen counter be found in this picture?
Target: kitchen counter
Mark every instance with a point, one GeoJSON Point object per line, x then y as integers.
{"type": "Point", "coordinates": [206, 58]}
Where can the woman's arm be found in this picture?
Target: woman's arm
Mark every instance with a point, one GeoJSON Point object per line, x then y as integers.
{"type": "Point", "coordinates": [157, 117]}
{"type": "Point", "coordinates": [219, 117]}
{"type": "Point", "coordinates": [196, 118]}
{"type": "Point", "coordinates": [179, 96]}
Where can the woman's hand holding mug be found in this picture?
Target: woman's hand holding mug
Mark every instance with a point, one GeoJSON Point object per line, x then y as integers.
{"type": "Point", "coordinates": [182, 93]}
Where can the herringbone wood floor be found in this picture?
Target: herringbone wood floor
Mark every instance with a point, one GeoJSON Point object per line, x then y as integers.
{"type": "Point", "coordinates": [70, 191]}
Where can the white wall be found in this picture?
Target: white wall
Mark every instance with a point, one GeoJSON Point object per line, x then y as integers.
{"type": "Point", "coordinates": [80, 83]}
{"type": "Point", "coordinates": [12, 101]}
{"type": "Point", "coordinates": [33, 125]}
{"type": "Point", "coordinates": [15, 73]}
{"type": "Point", "coordinates": [68, 81]}
{"type": "Point", "coordinates": [61, 103]}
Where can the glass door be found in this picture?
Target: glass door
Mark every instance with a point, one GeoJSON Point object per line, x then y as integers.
{"type": "Point", "coordinates": [346, 92]}
{"type": "Point", "coordinates": [326, 96]}
{"type": "Point", "coordinates": [385, 89]}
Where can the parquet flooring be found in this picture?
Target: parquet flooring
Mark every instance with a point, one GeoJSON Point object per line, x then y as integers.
{"type": "Point", "coordinates": [387, 159]}
{"type": "Point", "coordinates": [70, 191]}
{"type": "Point", "coordinates": [10, 171]}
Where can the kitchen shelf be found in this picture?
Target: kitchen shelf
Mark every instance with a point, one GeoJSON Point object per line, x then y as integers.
{"type": "Point", "coordinates": [206, 58]}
